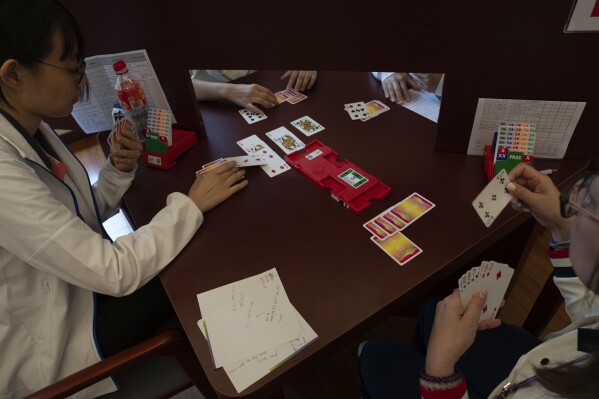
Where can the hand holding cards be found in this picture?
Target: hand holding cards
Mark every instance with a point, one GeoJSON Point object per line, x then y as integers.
{"type": "Point", "coordinates": [492, 277]}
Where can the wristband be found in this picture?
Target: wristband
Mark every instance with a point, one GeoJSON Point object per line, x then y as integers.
{"type": "Point", "coordinates": [432, 383]}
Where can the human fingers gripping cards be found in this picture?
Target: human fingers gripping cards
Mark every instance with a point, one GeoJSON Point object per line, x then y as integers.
{"type": "Point", "coordinates": [494, 278]}
{"type": "Point", "coordinates": [494, 197]}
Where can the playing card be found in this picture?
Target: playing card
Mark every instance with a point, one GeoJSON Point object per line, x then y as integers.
{"type": "Point", "coordinates": [394, 220]}
{"type": "Point", "coordinates": [494, 197]}
{"type": "Point", "coordinates": [284, 95]}
{"type": "Point", "coordinates": [357, 110]}
{"type": "Point", "coordinates": [412, 208]}
{"type": "Point", "coordinates": [385, 225]}
{"type": "Point", "coordinates": [251, 117]}
{"type": "Point", "coordinates": [252, 145]}
{"type": "Point", "coordinates": [495, 282]}
{"type": "Point", "coordinates": [398, 247]}
{"type": "Point", "coordinates": [375, 107]}
{"type": "Point", "coordinates": [307, 125]}
{"type": "Point", "coordinates": [297, 98]}
{"type": "Point", "coordinates": [286, 140]}
{"type": "Point", "coordinates": [375, 229]}
{"type": "Point", "coordinates": [248, 160]}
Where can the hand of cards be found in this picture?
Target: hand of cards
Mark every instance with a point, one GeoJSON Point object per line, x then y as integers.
{"type": "Point", "coordinates": [242, 162]}
{"type": "Point", "coordinates": [490, 276]}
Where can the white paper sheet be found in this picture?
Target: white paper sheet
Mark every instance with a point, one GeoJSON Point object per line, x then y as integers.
{"type": "Point", "coordinates": [584, 16]}
{"type": "Point", "coordinates": [245, 317]}
{"type": "Point", "coordinates": [555, 120]}
{"type": "Point", "coordinates": [249, 370]}
{"type": "Point", "coordinates": [94, 114]}
{"type": "Point", "coordinates": [425, 104]}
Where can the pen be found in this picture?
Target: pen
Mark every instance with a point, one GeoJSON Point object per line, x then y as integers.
{"type": "Point", "coordinates": [547, 171]}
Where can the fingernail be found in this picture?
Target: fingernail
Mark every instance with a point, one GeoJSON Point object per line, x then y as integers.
{"type": "Point", "coordinates": [510, 187]}
{"type": "Point", "coordinates": [515, 202]}
{"type": "Point", "coordinates": [482, 294]}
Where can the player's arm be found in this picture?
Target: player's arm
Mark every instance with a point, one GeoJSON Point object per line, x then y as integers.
{"type": "Point", "coordinates": [247, 96]}
{"type": "Point", "coordinates": [535, 192]}
{"type": "Point", "coordinates": [426, 81]}
{"type": "Point", "coordinates": [454, 330]}
{"type": "Point", "coordinates": [300, 80]}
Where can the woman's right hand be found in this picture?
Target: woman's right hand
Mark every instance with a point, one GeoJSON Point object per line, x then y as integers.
{"type": "Point", "coordinates": [248, 96]}
{"type": "Point", "coordinates": [535, 192]}
{"type": "Point", "coordinates": [216, 185]}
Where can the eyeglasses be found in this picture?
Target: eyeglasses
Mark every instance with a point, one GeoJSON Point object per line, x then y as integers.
{"type": "Point", "coordinates": [79, 71]}
{"type": "Point", "coordinates": [575, 198]}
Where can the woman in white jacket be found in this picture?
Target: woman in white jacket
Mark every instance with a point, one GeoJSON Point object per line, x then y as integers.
{"type": "Point", "coordinates": [57, 268]}
{"type": "Point", "coordinates": [451, 360]}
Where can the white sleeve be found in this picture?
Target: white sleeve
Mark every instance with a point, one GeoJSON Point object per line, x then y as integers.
{"type": "Point", "coordinates": [382, 75]}
{"type": "Point", "coordinates": [110, 188]}
{"type": "Point", "coordinates": [45, 233]}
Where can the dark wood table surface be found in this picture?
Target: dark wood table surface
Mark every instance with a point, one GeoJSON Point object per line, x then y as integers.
{"type": "Point", "coordinates": [334, 275]}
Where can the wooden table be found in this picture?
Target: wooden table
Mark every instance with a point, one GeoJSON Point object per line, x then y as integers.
{"type": "Point", "coordinates": [334, 275]}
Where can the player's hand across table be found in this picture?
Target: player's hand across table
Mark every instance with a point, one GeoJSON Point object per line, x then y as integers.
{"type": "Point", "coordinates": [454, 331]}
{"type": "Point", "coordinates": [396, 87]}
{"type": "Point", "coordinates": [248, 95]}
{"type": "Point", "coordinates": [125, 155]}
{"type": "Point", "coordinates": [536, 193]}
{"type": "Point", "coordinates": [300, 80]}
{"type": "Point", "coordinates": [426, 81]}
{"type": "Point", "coordinates": [216, 185]}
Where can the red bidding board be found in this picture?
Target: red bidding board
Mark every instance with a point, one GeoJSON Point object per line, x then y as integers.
{"type": "Point", "coordinates": [349, 184]}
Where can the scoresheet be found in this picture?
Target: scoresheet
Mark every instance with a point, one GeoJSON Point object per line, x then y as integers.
{"type": "Point", "coordinates": [94, 114]}
{"type": "Point", "coordinates": [555, 121]}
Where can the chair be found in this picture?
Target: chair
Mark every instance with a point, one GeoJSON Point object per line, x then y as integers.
{"type": "Point", "coordinates": [158, 367]}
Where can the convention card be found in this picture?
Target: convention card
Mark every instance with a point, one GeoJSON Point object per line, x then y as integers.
{"type": "Point", "coordinates": [375, 229]}
{"type": "Point", "coordinates": [307, 125]}
{"type": "Point", "coordinates": [250, 116]}
{"type": "Point", "coordinates": [252, 145]}
{"type": "Point", "coordinates": [412, 208]}
{"type": "Point", "coordinates": [248, 160]}
{"type": "Point", "coordinates": [398, 247]}
{"type": "Point", "coordinates": [375, 107]}
{"type": "Point", "coordinates": [494, 197]}
{"type": "Point", "coordinates": [286, 140]}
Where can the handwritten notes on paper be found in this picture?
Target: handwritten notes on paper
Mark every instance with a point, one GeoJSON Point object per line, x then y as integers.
{"type": "Point", "coordinates": [251, 327]}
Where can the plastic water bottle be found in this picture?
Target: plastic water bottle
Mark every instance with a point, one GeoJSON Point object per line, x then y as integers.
{"type": "Point", "coordinates": [132, 98]}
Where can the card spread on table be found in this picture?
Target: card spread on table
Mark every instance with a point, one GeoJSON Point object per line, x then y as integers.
{"type": "Point", "coordinates": [493, 199]}
{"type": "Point", "coordinates": [491, 276]}
{"type": "Point", "coordinates": [289, 95]}
{"type": "Point", "coordinates": [398, 247]}
{"type": "Point", "coordinates": [375, 107]}
{"type": "Point", "coordinates": [386, 226]}
{"type": "Point", "coordinates": [248, 160]}
{"type": "Point", "coordinates": [307, 125]}
{"type": "Point", "coordinates": [250, 116]}
{"type": "Point", "coordinates": [286, 140]}
{"type": "Point", "coordinates": [254, 146]}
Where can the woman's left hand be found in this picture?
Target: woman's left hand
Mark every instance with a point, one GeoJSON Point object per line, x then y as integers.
{"type": "Point", "coordinates": [124, 156]}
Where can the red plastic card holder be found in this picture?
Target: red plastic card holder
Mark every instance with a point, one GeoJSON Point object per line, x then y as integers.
{"type": "Point", "coordinates": [183, 140]}
{"type": "Point", "coordinates": [348, 184]}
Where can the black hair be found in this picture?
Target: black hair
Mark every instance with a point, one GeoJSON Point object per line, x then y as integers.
{"type": "Point", "coordinates": [27, 28]}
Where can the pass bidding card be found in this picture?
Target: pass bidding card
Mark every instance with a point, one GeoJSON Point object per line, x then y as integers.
{"type": "Point", "coordinates": [491, 276]}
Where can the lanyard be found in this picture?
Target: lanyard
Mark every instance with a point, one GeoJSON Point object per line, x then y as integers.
{"type": "Point", "coordinates": [509, 388]}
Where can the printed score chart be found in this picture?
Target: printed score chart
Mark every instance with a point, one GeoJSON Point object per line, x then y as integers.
{"type": "Point", "coordinates": [555, 122]}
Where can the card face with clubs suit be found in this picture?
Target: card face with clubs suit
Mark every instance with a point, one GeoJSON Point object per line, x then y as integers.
{"type": "Point", "coordinates": [493, 199]}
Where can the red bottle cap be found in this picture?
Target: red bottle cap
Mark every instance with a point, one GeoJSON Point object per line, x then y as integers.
{"type": "Point", "coordinates": [120, 67]}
